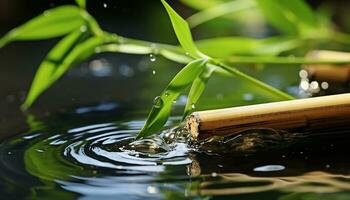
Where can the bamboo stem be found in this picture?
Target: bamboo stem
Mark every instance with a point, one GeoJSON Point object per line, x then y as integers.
{"type": "Point", "coordinates": [302, 114]}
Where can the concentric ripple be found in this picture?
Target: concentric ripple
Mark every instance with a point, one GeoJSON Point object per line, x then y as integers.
{"type": "Point", "coordinates": [103, 160]}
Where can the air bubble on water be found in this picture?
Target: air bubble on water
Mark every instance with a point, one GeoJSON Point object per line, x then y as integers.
{"type": "Point", "coordinates": [104, 5]}
{"type": "Point", "coordinates": [83, 28]}
{"type": "Point", "coordinates": [324, 85]}
{"type": "Point", "coordinates": [153, 72]}
{"type": "Point", "coordinates": [152, 57]}
{"type": "Point", "coordinates": [158, 102]}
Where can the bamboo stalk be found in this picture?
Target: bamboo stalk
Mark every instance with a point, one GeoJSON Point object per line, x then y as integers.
{"type": "Point", "coordinates": [302, 114]}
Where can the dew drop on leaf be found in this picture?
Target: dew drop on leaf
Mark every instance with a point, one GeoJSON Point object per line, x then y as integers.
{"type": "Point", "coordinates": [83, 28]}
{"type": "Point", "coordinates": [154, 72]}
{"type": "Point", "coordinates": [158, 102]}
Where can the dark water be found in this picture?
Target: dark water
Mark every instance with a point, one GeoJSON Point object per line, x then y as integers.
{"type": "Point", "coordinates": [68, 157]}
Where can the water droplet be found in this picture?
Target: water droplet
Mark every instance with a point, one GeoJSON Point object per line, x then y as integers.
{"type": "Point", "coordinates": [314, 85]}
{"type": "Point", "coordinates": [193, 106]}
{"type": "Point", "coordinates": [47, 13]}
{"type": "Point", "coordinates": [158, 102]}
{"type": "Point", "coordinates": [248, 97]}
{"type": "Point", "coordinates": [166, 94]}
{"type": "Point", "coordinates": [152, 57]}
{"type": "Point", "coordinates": [39, 150]}
{"type": "Point", "coordinates": [83, 28]}
{"type": "Point", "coordinates": [324, 85]}
{"type": "Point", "coordinates": [153, 72]}
{"type": "Point", "coordinates": [187, 54]}
{"type": "Point", "coordinates": [303, 74]}
{"type": "Point", "coordinates": [304, 85]}
{"type": "Point", "coordinates": [214, 174]}
{"type": "Point", "coordinates": [328, 166]}
{"type": "Point", "coordinates": [269, 168]}
{"type": "Point", "coordinates": [104, 5]}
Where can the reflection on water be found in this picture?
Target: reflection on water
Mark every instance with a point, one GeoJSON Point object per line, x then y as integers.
{"type": "Point", "coordinates": [103, 160]}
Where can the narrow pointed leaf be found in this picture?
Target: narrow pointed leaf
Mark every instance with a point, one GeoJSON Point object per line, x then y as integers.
{"type": "Point", "coordinates": [52, 23]}
{"type": "Point", "coordinates": [197, 89]}
{"type": "Point", "coordinates": [162, 106]}
{"type": "Point", "coordinates": [182, 32]}
{"type": "Point", "coordinates": [81, 3]}
{"type": "Point", "coordinates": [292, 17]}
{"type": "Point", "coordinates": [73, 49]}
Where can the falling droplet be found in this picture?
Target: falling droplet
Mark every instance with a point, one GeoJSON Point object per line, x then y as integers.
{"type": "Point", "coordinates": [154, 72]}
{"type": "Point", "coordinates": [152, 57]}
{"type": "Point", "coordinates": [158, 102]}
{"type": "Point", "coordinates": [104, 5]}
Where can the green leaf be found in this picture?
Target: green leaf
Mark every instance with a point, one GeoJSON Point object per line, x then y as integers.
{"type": "Point", "coordinates": [81, 3]}
{"type": "Point", "coordinates": [293, 17]}
{"type": "Point", "coordinates": [72, 49]}
{"type": "Point", "coordinates": [162, 105]}
{"type": "Point", "coordinates": [182, 32]}
{"type": "Point", "coordinates": [224, 47]}
{"type": "Point", "coordinates": [197, 89]}
{"type": "Point", "coordinates": [220, 10]}
{"type": "Point", "coordinates": [200, 4]}
{"type": "Point", "coordinates": [53, 23]}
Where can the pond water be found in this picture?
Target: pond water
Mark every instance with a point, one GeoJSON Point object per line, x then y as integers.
{"type": "Point", "coordinates": [67, 157]}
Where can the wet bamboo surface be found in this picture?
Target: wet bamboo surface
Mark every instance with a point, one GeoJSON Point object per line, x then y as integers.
{"type": "Point", "coordinates": [295, 115]}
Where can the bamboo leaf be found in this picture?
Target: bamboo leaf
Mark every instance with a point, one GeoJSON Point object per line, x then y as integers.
{"type": "Point", "coordinates": [219, 10]}
{"type": "Point", "coordinates": [292, 17]}
{"type": "Point", "coordinates": [162, 105]}
{"type": "Point", "coordinates": [197, 89]}
{"type": "Point", "coordinates": [81, 3]}
{"type": "Point", "coordinates": [72, 49]}
{"type": "Point", "coordinates": [224, 47]}
{"type": "Point", "coordinates": [53, 23]}
{"type": "Point", "coordinates": [182, 32]}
